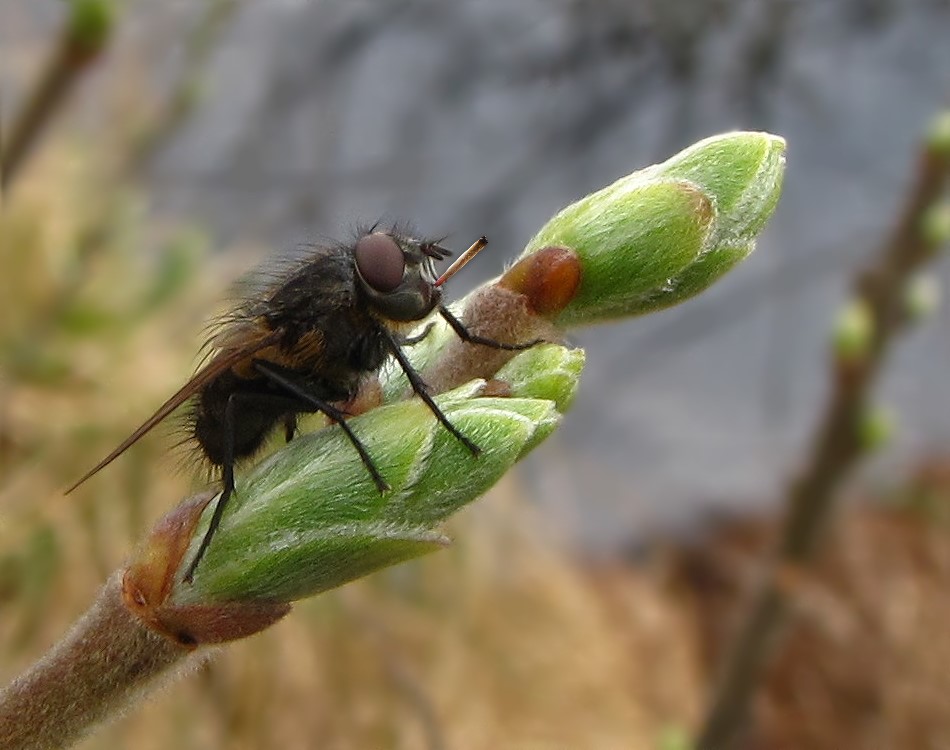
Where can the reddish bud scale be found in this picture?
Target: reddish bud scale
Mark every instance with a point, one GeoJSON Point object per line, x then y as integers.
{"type": "Point", "coordinates": [150, 579]}
{"type": "Point", "coordinates": [548, 278]}
{"type": "Point", "coordinates": [496, 388]}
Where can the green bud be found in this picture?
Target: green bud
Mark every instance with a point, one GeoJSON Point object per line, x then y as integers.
{"type": "Point", "coordinates": [632, 238]}
{"type": "Point", "coordinates": [922, 297]}
{"type": "Point", "coordinates": [936, 225]}
{"type": "Point", "coordinates": [853, 331]}
{"type": "Point", "coordinates": [545, 371]}
{"type": "Point", "coordinates": [876, 428]}
{"type": "Point", "coordinates": [675, 738]}
{"type": "Point", "coordinates": [310, 518]}
{"type": "Point", "coordinates": [938, 135]}
{"type": "Point", "coordinates": [90, 24]}
{"type": "Point", "coordinates": [665, 233]}
{"type": "Point", "coordinates": [742, 173]}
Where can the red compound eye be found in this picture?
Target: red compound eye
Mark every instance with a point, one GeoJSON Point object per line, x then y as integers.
{"type": "Point", "coordinates": [380, 261]}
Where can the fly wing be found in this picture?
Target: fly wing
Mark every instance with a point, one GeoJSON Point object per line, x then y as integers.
{"type": "Point", "coordinates": [217, 365]}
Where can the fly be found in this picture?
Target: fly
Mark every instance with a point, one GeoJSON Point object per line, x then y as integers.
{"type": "Point", "coordinates": [304, 346]}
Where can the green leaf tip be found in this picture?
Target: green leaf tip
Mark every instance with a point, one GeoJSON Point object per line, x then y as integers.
{"type": "Point", "coordinates": [665, 233]}
{"type": "Point", "coordinates": [309, 517]}
{"type": "Point", "coordinates": [853, 332]}
{"type": "Point", "coordinates": [547, 371]}
{"type": "Point", "coordinates": [90, 25]}
{"type": "Point", "coordinates": [876, 428]}
{"type": "Point", "coordinates": [938, 135]}
{"type": "Point", "coordinates": [922, 297]}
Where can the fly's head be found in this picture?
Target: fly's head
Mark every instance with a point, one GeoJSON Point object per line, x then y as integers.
{"type": "Point", "coordinates": [397, 275]}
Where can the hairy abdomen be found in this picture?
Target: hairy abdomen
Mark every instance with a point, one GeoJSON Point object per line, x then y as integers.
{"type": "Point", "coordinates": [254, 418]}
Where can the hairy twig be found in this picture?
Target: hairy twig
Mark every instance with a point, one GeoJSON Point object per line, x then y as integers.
{"type": "Point", "coordinates": [106, 660]}
{"type": "Point", "coordinates": [838, 445]}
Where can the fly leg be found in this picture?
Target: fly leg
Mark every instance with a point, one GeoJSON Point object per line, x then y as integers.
{"type": "Point", "coordinates": [290, 427]}
{"type": "Point", "coordinates": [471, 338]}
{"type": "Point", "coordinates": [413, 340]}
{"type": "Point", "coordinates": [227, 489]}
{"type": "Point", "coordinates": [422, 390]}
{"type": "Point", "coordinates": [279, 403]}
{"type": "Point", "coordinates": [294, 387]}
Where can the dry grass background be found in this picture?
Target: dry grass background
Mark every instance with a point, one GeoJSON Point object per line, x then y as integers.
{"type": "Point", "coordinates": [867, 660]}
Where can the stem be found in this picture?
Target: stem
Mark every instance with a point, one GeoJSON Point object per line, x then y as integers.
{"type": "Point", "coordinates": [106, 660]}
{"type": "Point", "coordinates": [836, 449]}
{"type": "Point", "coordinates": [78, 46]}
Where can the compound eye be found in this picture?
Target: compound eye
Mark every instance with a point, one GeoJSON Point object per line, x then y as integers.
{"type": "Point", "coordinates": [380, 261]}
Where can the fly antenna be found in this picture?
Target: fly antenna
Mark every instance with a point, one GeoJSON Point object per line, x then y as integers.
{"type": "Point", "coordinates": [462, 260]}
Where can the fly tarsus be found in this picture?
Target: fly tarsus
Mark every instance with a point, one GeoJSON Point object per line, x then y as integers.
{"type": "Point", "coordinates": [471, 338]}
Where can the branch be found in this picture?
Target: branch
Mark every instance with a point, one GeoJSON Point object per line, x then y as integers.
{"type": "Point", "coordinates": [80, 44]}
{"type": "Point", "coordinates": [862, 347]}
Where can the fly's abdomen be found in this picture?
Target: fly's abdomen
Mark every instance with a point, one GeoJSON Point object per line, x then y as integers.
{"type": "Point", "coordinates": [256, 413]}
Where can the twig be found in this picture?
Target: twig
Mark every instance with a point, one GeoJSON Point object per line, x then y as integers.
{"type": "Point", "coordinates": [80, 43]}
{"type": "Point", "coordinates": [837, 447]}
{"type": "Point", "coordinates": [87, 676]}
{"type": "Point", "coordinates": [94, 237]}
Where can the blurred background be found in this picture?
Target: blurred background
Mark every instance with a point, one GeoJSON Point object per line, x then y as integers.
{"type": "Point", "coordinates": [588, 597]}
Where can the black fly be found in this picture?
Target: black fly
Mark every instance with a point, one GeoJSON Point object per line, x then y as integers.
{"type": "Point", "coordinates": [304, 346]}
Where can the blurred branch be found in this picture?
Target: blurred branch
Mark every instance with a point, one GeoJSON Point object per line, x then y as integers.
{"type": "Point", "coordinates": [97, 232]}
{"type": "Point", "coordinates": [79, 45]}
{"type": "Point", "coordinates": [178, 107]}
{"type": "Point", "coordinates": [839, 442]}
